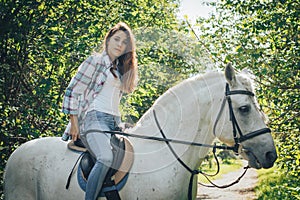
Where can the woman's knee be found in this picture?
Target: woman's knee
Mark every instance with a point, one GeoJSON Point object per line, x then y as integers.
{"type": "Point", "coordinates": [105, 158]}
{"type": "Point", "coordinates": [99, 145]}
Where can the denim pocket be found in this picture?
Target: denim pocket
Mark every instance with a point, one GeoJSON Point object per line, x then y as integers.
{"type": "Point", "coordinates": [100, 121]}
{"type": "Point", "coordinates": [106, 119]}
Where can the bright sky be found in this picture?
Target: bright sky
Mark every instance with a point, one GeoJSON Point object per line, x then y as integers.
{"type": "Point", "coordinates": [194, 9]}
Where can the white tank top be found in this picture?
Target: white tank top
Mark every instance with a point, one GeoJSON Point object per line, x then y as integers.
{"type": "Point", "coordinates": [108, 99]}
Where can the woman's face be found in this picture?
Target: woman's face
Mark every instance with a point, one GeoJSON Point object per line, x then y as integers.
{"type": "Point", "coordinates": [117, 44]}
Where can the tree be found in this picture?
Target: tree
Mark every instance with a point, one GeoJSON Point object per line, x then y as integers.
{"type": "Point", "coordinates": [264, 36]}
{"type": "Point", "coordinates": [43, 42]}
{"type": "Point", "coordinates": [166, 57]}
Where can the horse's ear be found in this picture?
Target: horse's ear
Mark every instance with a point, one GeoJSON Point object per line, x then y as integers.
{"type": "Point", "coordinates": [230, 74]}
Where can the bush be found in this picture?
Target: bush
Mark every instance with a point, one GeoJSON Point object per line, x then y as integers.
{"type": "Point", "coordinates": [276, 184]}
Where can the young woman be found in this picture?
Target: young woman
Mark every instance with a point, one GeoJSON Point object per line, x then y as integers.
{"type": "Point", "coordinates": [93, 96]}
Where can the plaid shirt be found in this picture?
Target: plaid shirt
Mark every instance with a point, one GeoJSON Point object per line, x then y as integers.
{"type": "Point", "coordinates": [84, 87]}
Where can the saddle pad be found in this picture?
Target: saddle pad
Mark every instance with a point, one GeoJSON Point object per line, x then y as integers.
{"type": "Point", "coordinates": [74, 147]}
{"type": "Point", "coordinates": [126, 163]}
{"type": "Point", "coordinates": [82, 183]}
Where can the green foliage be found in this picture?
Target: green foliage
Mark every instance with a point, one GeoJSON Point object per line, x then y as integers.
{"type": "Point", "coordinates": [43, 42]}
{"type": "Point", "coordinates": [209, 166]}
{"type": "Point", "coordinates": [166, 57]}
{"type": "Point", "coordinates": [276, 185]}
{"type": "Point", "coordinates": [263, 36]}
{"type": "Point", "coordinates": [289, 153]}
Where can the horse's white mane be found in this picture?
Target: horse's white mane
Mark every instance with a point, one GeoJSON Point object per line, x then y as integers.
{"type": "Point", "coordinates": [245, 77]}
{"type": "Point", "coordinates": [202, 81]}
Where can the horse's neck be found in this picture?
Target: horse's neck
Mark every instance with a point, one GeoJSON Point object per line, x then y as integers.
{"type": "Point", "coordinates": [184, 112]}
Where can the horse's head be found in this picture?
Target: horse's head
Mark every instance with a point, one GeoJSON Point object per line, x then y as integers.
{"type": "Point", "coordinates": [244, 123]}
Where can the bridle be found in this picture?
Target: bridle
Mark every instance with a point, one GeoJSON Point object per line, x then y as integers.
{"type": "Point", "coordinates": [238, 136]}
{"type": "Point", "coordinates": [237, 139]}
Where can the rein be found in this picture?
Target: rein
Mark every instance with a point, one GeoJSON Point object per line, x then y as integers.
{"type": "Point", "coordinates": [235, 148]}
{"type": "Point", "coordinates": [236, 131]}
{"type": "Point", "coordinates": [196, 171]}
{"type": "Point", "coordinates": [167, 140]}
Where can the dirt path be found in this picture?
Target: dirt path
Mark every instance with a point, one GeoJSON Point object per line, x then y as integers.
{"type": "Point", "coordinates": [244, 190]}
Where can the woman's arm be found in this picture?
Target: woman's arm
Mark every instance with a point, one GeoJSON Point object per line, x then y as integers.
{"type": "Point", "coordinates": [74, 131]}
{"type": "Point", "coordinates": [75, 90]}
{"type": "Point", "coordinates": [78, 86]}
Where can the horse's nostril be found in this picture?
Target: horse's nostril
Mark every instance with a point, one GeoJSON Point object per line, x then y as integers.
{"type": "Point", "coordinates": [271, 156]}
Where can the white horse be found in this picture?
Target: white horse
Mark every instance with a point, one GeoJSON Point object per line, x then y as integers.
{"type": "Point", "coordinates": [189, 111]}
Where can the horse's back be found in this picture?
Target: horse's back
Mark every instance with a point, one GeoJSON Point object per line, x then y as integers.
{"type": "Point", "coordinates": [37, 168]}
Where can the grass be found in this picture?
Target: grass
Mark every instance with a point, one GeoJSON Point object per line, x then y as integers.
{"type": "Point", "coordinates": [272, 183]}
{"type": "Point", "coordinates": [276, 184]}
{"type": "Point", "coordinates": [225, 167]}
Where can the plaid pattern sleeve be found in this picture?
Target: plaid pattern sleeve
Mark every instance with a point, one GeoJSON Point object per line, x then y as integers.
{"type": "Point", "coordinates": [78, 86]}
{"type": "Point", "coordinates": [84, 86]}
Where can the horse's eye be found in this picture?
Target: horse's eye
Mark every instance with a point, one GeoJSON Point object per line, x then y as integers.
{"type": "Point", "coordinates": [244, 109]}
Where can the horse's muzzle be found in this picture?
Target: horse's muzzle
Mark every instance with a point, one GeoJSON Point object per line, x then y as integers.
{"type": "Point", "coordinates": [271, 157]}
{"type": "Point", "coordinates": [266, 161]}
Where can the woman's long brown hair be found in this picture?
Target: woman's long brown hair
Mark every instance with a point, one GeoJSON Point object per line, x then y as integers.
{"type": "Point", "coordinates": [127, 62]}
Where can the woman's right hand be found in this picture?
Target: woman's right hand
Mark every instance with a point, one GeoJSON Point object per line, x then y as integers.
{"type": "Point", "coordinates": [74, 132]}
